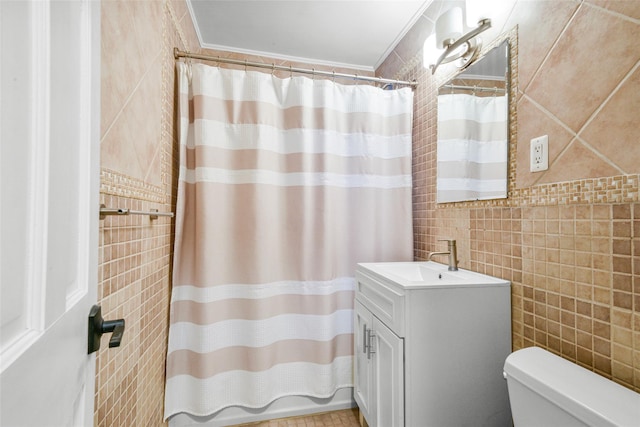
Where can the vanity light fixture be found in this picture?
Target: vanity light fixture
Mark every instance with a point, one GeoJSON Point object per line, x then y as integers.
{"type": "Point", "coordinates": [454, 39]}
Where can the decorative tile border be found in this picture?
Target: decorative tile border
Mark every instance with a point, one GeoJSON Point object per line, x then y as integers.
{"type": "Point", "coordinates": [610, 189]}
{"type": "Point", "coordinates": [116, 184]}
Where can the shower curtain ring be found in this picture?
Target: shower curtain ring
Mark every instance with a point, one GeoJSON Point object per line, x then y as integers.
{"type": "Point", "coordinates": [273, 68]}
{"type": "Point", "coordinates": [290, 72]}
{"type": "Point", "coordinates": [245, 65]}
{"type": "Point", "coordinates": [313, 73]}
{"type": "Point", "coordinates": [188, 62]}
{"type": "Point", "coordinates": [334, 76]}
{"type": "Point", "coordinates": [189, 71]}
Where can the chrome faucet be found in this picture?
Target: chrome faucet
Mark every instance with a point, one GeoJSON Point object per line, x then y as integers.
{"type": "Point", "coordinates": [453, 254]}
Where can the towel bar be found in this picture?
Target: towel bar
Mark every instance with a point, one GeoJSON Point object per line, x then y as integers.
{"type": "Point", "coordinates": [153, 213]}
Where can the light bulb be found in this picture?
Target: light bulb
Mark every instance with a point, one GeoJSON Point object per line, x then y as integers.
{"type": "Point", "coordinates": [430, 52]}
{"type": "Point", "coordinates": [449, 27]}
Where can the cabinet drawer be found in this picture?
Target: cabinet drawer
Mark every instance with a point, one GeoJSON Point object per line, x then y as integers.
{"type": "Point", "coordinates": [385, 303]}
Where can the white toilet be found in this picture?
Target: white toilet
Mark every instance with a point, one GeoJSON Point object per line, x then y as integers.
{"type": "Point", "coordinates": [547, 390]}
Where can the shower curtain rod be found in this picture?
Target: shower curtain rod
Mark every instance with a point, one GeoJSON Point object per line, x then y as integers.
{"type": "Point", "coordinates": [474, 88]}
{"type": "Point", "coordinates": [182, 54]}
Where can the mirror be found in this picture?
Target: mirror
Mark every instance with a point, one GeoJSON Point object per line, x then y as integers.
{"type": "Point", "coordinates": [473, 131]}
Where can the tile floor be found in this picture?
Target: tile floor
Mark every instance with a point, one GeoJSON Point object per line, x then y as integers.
{"type": "Point", "coordinates": [345, 418]}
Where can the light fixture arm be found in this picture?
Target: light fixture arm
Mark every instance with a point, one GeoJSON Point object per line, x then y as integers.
{"type": "Point", "coordinates": [483, 25]}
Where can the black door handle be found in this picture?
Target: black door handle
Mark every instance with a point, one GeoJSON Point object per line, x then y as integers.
{"type": "Point", "coordinates": [99, 326]}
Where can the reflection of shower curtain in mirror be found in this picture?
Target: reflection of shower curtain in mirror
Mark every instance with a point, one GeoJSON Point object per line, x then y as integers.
{"type": "Point", "coordinates": [472, 147]}
{"type": "Point", "coordinates": [285, 184]}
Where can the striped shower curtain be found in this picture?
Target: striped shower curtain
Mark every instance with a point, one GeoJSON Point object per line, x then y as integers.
{"type": "Point", "coordinates": [472, 147]}
{"type": "Point", "coordinates": [284, 185]}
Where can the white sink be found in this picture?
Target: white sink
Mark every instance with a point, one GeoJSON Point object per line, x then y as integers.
{"type": "Point", "coordinates": [428, 274]}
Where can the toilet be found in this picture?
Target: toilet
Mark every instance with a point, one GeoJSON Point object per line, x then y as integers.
{"type": "Point", "coordinates": [547, 390]}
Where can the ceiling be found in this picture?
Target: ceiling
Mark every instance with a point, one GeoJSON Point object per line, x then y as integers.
{"type": "Point", "coordinates": [355, 34]}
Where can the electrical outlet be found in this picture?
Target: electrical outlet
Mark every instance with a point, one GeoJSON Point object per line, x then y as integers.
{"type": "Point", "coordinates": [539, 156]}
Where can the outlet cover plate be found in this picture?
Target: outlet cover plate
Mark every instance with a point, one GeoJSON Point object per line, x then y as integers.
{"type": "Point", "coordinates": [539, 156]}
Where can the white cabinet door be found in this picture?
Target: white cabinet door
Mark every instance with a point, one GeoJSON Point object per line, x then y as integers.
{"type": "Point", "coordinates": [49, 177]}
{"type": "Point", "coordinates": [379, 371]}
{"type": "Point", "coordinates": [362, 361]}
{"type": "Point", "coordinates": [388, 376]}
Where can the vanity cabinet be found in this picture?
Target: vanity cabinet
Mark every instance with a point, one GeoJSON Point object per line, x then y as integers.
{"type": "Point", "coordinates": [429, 351]}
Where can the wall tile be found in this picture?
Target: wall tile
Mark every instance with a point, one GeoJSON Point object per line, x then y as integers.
{"type": "Point", "coordinates": [533, 123]}
{"type": "Point", "coordinates": [575, 162]}
{"type": "Point", "coordinates": [180, 8]}
{"type": "Point", "coordinates": [131, 143]}
{"type": "Point", "coordinates": [625, 7]}
{"type": "Point", "coordinates": [540, 23]}
{"type": "Point", "coordinates": [613, 132]}
{"type": "Point", "coordinates": [585, 88]}
{"type": "Point", "coordinates": [388, 69]}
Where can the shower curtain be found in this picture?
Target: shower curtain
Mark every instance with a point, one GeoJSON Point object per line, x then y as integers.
{"type": "Point", "coordinates": [472, 147]}
{"type": "Point", "coordinates": [284, 185]}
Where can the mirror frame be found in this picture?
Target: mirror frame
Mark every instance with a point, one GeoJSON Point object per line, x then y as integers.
{"type": "Point", "coordinates": [511, 86]}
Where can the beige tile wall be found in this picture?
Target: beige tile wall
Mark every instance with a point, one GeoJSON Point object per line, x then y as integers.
{"type": "Point", "coordinates": [138, 173]}
{"type": "Point", "coordinates": [567, 238]}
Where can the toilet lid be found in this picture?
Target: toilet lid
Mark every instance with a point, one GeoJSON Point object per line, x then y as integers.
{"type": "Point", "coordinates": [589, 397]}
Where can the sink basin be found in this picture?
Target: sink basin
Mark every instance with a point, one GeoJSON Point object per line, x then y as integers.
{"type": "Point", "coordinates": [418, 272]}
{"type": "Point", "coordinates": [427, 274]}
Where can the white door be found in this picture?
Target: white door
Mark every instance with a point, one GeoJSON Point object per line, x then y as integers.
{"type": "Point", "coordinates": [49, 178]}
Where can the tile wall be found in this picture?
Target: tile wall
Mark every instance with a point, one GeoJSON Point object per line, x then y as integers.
{"type": "Point", "coordinates": [568, 238]}
{"type": "Point", "coordinates": [138, 172]}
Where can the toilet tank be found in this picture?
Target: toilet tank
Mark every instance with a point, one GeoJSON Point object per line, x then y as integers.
{"type": "Point", "coordinates": [547, 390]}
